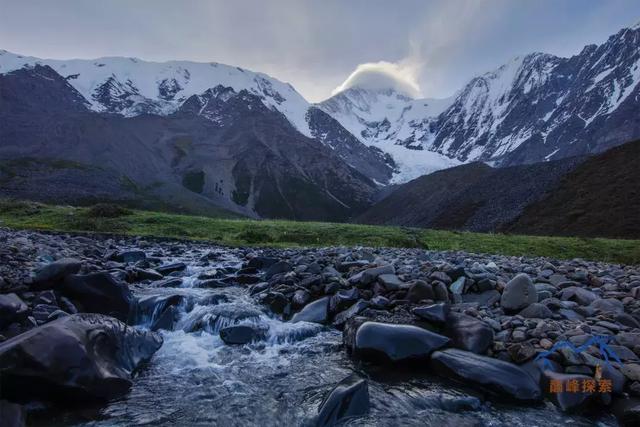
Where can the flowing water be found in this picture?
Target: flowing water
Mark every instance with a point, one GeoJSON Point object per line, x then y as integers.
{"type": "Point", "coordinates": [195, 379]}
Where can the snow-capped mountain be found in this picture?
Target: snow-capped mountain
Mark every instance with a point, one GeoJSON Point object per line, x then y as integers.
{"type": "Point", "coordinates": [130, 86]}
{"type": "Point", "coordinates": [535, 108]}
{"type": "Point", "coordinates": [394, 123]}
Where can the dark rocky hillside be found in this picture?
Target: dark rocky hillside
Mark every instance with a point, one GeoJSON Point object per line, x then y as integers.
{"type": "Point", "coordinates": [472, 197]}
{"type": "Point", "coordinates": [601, 197]}
{"type": "Point", "coordinates": [222, 149]}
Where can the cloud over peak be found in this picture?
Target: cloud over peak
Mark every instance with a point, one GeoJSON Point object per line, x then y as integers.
{"type": "Point", "coordinates": [383, 75]}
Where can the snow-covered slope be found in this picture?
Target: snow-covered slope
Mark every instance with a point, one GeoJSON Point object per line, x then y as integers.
{"type": "Point", "coordinates": [394, 123]}
{"type": "Point", "coordinates": [535, 108]}
{"type": "Point", "coordinates": [130, 86]}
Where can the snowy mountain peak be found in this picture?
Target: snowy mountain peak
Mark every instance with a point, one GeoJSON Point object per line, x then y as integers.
{"type": "Point", "coordinates": [131, 86]}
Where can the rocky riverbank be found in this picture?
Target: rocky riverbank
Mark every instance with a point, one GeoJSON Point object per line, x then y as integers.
{"type": "Point", "coordinates": [77, 320]}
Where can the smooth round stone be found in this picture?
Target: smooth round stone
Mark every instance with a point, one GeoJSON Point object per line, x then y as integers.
{"type": "Point", "coordinates": [518, 294]}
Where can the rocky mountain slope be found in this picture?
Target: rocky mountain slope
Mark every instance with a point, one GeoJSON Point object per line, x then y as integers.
{"type": "Point", "coordinates": [472, 197]}
{"type": "Point", "coordinates": [599, 198]}
{"type": "Point", "coordinates": [536, 108]}
{"type": "Point", "coordinates": [222, 148]}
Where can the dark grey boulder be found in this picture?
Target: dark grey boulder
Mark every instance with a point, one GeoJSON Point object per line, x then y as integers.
{"type": "Point", "coordinates": [12, 309]}
{"type": "Point", "coordinates": [276, 301]}
{"type": "Point", "coordinates": [50, 274]}
{"type": "Point", "coordinates": [518, 294]}
{"type": "Point", "coordinates": [315, 312]}
{"type": "Point", "coordinates": [468, 333]}
{"type": "Point", "coordinates": [300, 298]}
{"type": "Point", "coordinates": [348, 399]}
{"type": "Point", "coordinates": [78, 357]}
{"type": "Point", "coordinates": [277, 268]}
{"type": "Point", "coordinates": [343, 299]}
{"type": "Point", "coordinates": [99, 293]}
{"type": "Point", "coordinates": [382, 342]}
{"type": "Point", "coordinates": [241, 334]}
{"type": "Point", "coordinates": [536, 311]}
{"type": "Point", "coordinates": [435, 313]}
{"type": "Point", "coordinates": [342, 317]}
{"type": "Point", "coordinates": [420, 291]}
{"type": "Point", "coordinates": [167, 269]}
{"type": "Point", "coordinates": [493, 375]}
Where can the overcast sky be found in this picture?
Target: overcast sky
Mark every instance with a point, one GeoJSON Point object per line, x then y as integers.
{"type": "Point", "coordinates": [434, 47]}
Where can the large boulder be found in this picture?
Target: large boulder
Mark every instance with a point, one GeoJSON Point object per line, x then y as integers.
{"type": "Point", "coordinates": [51, 274]}
{"type": "Point", "coordinates": [348, 399]}
{"type": "Point", "coordinates": [79, 357]}
{"type": "Point", "coordinates": [469, 333]}
{"type": "Point", "coordinates": [518, 294]}
{"type": "Point", "coordinates": [382, 342]}
{"type": "Point", "coordinates": [493, 375]}
{"type": "Point", "coordinates": [580, 295]}
{"type": "Point", "coordinates": [12, 309]}
{"type": "Point", "coordinates": [99, 293]}
{"type": "Point", "coordinates": [434, 313]}
{"type": "Point", "coordinates": [315, 312]}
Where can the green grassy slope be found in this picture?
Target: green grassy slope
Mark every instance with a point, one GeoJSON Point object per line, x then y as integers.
{"type": "Point", "coordinates": [28, 215]}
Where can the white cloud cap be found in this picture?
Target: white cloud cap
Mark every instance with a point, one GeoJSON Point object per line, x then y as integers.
{"type": "Point", "coordinates": [383, 75]}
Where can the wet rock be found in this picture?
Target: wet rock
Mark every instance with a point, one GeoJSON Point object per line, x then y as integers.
{"type": "Point", "coordinates": [147, 274]}
{"type": "Point", "coordinates": [75, 358]}
{"type": "Point", "coordinates": [342, 317]}
{"type": "Point", "coordinates": [443, 277]}
{"type": "Point", "coordinates": [99, 293]}
{"type": "Point", "coordinates": [12, 309]}
{"type": "Point", "coordinates": [315, 312]}
{"type": "Point", "coordinates": [42, 312]}
{"type": "Point", "coordinates": [518, 294]}
{"type": "Point", "coordinates": [379, 302]}
{"type": "Point", "coordinates": [277, 268]}
{"type": "Point", "coordinates": [167, 269]}
{"type": "Point", "coordinates": [261, 262]}
{"type": "Point", "coordinates": [382, 342]}
{"type": "Point", "coordinates": [627, 411]}
{"type": "Point", "coordinates": [300, 298]}
{"type": "Point", "coordinates": [50, 274]}
{"type": "Point", "coordinates": [420, 291]}
{"type": "Point", "coordinates": [241, 334]}
{"type": "Point", "coordinates": [536, 311]}
{"type": "Point", "coordinates": [495, 376]}
{"type": "Point", "coordinates": [468, 333]}
{"type": "Point", "coordinates": [276, 301]}
{"type": "Point", "coordinates": [12, 414]}
{"type": "Point", "coordinates": [435, 313]}
{"type": "Point", "coordinates": [458, 287]}
{"type": "Point", "coordinates": [343, 299]}
{"type": "Point", "coordinates": [348, 399]}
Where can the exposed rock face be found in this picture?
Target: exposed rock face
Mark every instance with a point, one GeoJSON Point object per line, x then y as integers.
{"type": "Point", "coordinates": [83, 356]}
